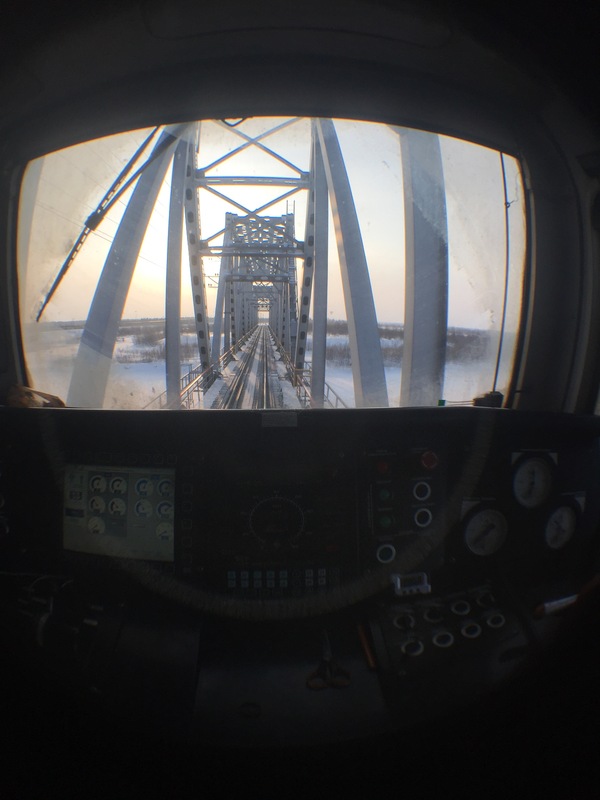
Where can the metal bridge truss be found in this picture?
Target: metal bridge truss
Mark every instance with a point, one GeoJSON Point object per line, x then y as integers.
{"type": "Point", "coordinates": [259, 254]}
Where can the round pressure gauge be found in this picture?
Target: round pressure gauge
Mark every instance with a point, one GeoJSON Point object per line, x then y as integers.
{"type": "Point", "coordinates": [560, 527]}
{"type": "Point", "coordinates": [532, 482]}
{"type": "Point", "coordinates": [486, 531]}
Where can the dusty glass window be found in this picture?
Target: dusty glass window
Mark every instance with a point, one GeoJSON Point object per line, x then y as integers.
{"type": "Point", "coordinates": [278, 263]}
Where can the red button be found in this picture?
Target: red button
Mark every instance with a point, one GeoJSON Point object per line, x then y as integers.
{"type": "Point", "coordinates": [429, 459]}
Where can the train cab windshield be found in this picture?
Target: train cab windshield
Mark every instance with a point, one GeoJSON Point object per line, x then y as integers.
{"type": "Point", "coordinates": [271, 263]}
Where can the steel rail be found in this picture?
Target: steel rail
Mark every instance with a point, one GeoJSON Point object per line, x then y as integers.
{"type": "Point", "coordinates": [234, 395]}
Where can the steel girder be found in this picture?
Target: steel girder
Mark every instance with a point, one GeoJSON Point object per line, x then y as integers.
{"type": "Point", "coordinates": [94, 356]}
{"type": "Point", "coordinates": [194, 238]}
{"type": "Point", "coordinates": [426, 277]}
{"type": "Point", "coordinates": [173, 280]}
{"type": "Point", "coordinates": [255, 249]}
{"type": "Point", "coordinates": [368, 373]}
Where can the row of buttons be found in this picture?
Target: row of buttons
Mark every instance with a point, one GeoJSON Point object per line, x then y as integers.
{"type": "Point", "coordinates": [413, 646]}
{"type": "Point", "coordinates": [406, 620]}
{"type": "Point", "coordinates": [276, 579]}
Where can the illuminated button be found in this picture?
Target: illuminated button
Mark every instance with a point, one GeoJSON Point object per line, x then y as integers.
{"type": "Point", "coordinates": [422, 490]}
{"type": "Point", "coordinates": [382, 467]}
{"type": "Point", "coordinates": [413, 647]}
{"type": "Point", "coordinates": [433, 615]}
{"type": "Point", "coordinates": [404, 621]}
{"type": "Point", "coordinates": [460, 607]}
{"type": "Point", "coordinates": [443, 639]}
{"type": "Point", "coordinates": [384, 494]}
{"type": "Point", "coordinates": [423, 517]}
{"type": "Point", "coordinates": [385, 553]}
{"type": "Point", "coordinates": [471, 630]}
{"type": "Point", "coordinates": [429, 459]}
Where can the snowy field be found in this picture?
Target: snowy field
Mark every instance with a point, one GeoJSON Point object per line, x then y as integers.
{"type": "Point", "coordinates": [135, 381]}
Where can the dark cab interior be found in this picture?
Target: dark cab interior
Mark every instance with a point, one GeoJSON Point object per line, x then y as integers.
{"type": "Point", "coordinates": [290, 644]}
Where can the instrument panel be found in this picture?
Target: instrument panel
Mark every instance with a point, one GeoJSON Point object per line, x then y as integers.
{"type": "Point", "coordinates": [280, 504]}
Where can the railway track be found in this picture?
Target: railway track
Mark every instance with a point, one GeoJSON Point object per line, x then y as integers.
{"type": "Point", "coordinates": [251, 384]}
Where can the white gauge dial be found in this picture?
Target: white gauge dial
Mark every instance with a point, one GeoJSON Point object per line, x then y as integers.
{"type": "Point", "coordinates": [560, 527]}
{"type": "Point", "coordinates": [486, 531]}
{"type": "Point", "coordinates": [532, 482]}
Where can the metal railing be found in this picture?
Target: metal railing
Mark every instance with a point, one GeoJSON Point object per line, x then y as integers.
{"type": "Point", "coordinates": [300, 380]}
{"type": "Point", "coordinates": [195, 381]}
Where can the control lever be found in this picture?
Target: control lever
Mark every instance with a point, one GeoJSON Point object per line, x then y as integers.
{"type": "Point", "coordinates": [414, 583]}
{"type": "Point", "coordinates": [328, 673]}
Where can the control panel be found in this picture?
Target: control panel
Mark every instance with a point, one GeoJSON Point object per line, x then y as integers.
{"type": "Point", "coordinates": [239, 506]}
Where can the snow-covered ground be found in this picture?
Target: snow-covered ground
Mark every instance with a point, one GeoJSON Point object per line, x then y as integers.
{"type": "Point", "coordinates": [134, 383]}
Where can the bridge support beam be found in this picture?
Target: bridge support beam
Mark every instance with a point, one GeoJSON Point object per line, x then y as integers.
{"type": "Point", "coordinates": [173, 281]}
{"type": "Point", "coordinates": [321, 248]}
{"type": "Point", "coordinates": [94, 357]}
{"type": "Point", "coordinates": [194, 240]}
{"type": "Point", "coordinates": [426, 277]}
{"type": "Point", "coordinates": [367, 361]}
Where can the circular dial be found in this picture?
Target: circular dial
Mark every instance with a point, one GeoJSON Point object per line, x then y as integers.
{"type": "Point", "coordinates": [560, 527]}
{"type": "Point", "coordinates": [486, 531]}
{"type": "Point", "coordinates": [532, 482]}
{"type": "Point", "coordinates": [277, 521]}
